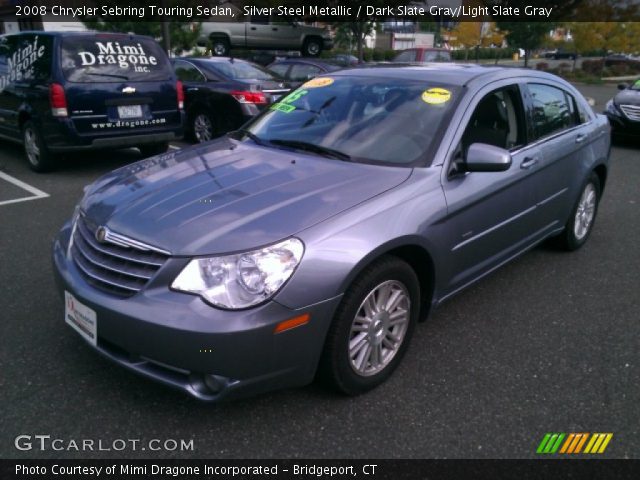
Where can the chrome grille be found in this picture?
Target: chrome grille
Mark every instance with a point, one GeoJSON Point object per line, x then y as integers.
{"type": "Point", "coordinates": [631, 111]}
{"type": "Point", "coordinates": [114, 269]}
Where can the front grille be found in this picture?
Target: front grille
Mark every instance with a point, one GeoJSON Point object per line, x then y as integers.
{"type": "Point", "coordinates": [114, 269]}
{"type": "Point", "coordinates": [631, 111]}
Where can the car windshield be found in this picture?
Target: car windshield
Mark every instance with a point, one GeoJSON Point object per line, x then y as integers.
{"type": "Point", "coordinates": [239, 70]}
{"type": "Point", "coordinates": [113, 58]}
{"type": "Point", "coordinates": [369, 119]}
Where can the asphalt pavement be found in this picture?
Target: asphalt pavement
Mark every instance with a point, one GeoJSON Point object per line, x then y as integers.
{"type": "Point", "coordinates": [549, 343]}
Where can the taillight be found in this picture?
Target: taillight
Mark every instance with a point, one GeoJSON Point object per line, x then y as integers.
{"type": "Point", "coordinates": [58, 100]}
{"type": "Point", "coordinates": [180, 93]}
{"type": "Point", "coordinates": [249, 97]}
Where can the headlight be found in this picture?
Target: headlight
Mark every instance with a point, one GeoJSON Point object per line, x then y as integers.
{"type": "Point", "coordinates": [241, 280]}
{"type": "Point", "coordinates": [610, 107]}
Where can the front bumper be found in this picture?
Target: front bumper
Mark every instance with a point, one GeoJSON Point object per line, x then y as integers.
{"type": "Point", "coordinates": [621, 125]}
{"type": "Point", "coordinates": [179, 340]}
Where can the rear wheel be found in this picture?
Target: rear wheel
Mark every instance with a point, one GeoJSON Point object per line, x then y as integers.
{"type": "Point", "coordinates": [220, 47]}
{"type": "Point", "coordinates": [203, 127]}
{"type": "Point", "coordinates": [312, 47]}
{"type": "Point", "coordinates": [580, 223]}
{"type": "Point", "coordinates": [372, 327]}
{"type": "Point", "coordinates": [39, 157]}
{"type": "Point", "coordinates": [153, 149]}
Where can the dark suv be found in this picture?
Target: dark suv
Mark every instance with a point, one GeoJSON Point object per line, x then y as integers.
{"type": "Point", "coordinates": [78, 91]}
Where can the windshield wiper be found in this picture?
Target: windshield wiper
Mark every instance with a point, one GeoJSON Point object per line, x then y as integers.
{"type": "Point", "coordinates": [112, 75]}
{"type": "Point", "coordinates": [252, 136]}
{"type": "Point", "coordinates": [312, 147]}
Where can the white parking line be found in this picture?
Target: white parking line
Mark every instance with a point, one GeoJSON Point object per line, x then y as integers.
{"type": "Point", "coordinates": [25, 186]}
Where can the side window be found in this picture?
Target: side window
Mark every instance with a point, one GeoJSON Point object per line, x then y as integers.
{"type": "Point", "coordinates": [552, 110]}
{"type": "Point", "coordinates": [406, 56]}
{"type": "Point", "coordinates": [187, 72]}
{"type": "Point", "coordinates": [303, 71]}
{"type": "Point", "coordinates": [497, 120]}
{"type": "Point", "coordinates": [260, 19]}
{"type": "Point", "coordinates": [43, 52]}
{"type": "Point", "coordinates": [280, 69]}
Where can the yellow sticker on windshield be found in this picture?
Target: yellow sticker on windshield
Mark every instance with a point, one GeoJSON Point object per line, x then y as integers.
{"type": "Point", "coordinates": [436, 96]}
{"type": "Point", "coordinates": [318, 82]}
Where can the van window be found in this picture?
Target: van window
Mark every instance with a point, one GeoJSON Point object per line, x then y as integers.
{"type": "Point", "coordinates": [113, 58]}
{"type": "Point", "coordinates": [24, 58]}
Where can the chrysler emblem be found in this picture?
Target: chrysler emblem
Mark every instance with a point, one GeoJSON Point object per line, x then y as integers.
{"type": "Point", "coordinates": [101, 234]}
{"type": "Point", "coordinates": [128, 90]}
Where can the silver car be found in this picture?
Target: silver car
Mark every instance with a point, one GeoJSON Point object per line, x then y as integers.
{"type": "Point", "coordinates": [313, 241]}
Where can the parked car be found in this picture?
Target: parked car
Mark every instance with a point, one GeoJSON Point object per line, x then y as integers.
{"type": "Point", "coordinates": [221, 94]}
{"type": "Point", "coordinates": [423, 55]}
{"type": "Point", "coordinates": [298, 71]}
{"type": "Point", "coordinates": [622, 59]}
{"type": "Point", "coordinates": [315, 239]}
{"type": "Point", "coordinates": [69, 91]}
{"type": "Point", "coordinates": [560, 54]}
{"type": "Point", "coordinates": [344, 59]}
{"type": "Point", "coordinates": [263, 32]}
{"type": "Point", "coordinates": [623, 110]}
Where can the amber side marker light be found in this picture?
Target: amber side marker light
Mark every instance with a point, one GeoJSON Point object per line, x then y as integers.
{"type": "Point", "coordinates": [292, 323]}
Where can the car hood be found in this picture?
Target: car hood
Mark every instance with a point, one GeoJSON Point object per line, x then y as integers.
{"type": "Point", "coordinates": [627, 97]}
{"type": "Point", "coordinates": [229, 196]}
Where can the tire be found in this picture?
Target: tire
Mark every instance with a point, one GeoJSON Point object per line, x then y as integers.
{"type": "Point", "coordinates": [38, 155]}
{"type": "Point", "coordinates": [153, 149]}
{"type": "Point", "coordinates": [312, 47]}
{"type": "Point", "coordinates": [354, 369]}
{"type": "Point", "coordinates": [220, 47]}
{"type": "Point", "coordinates": [583, 215]}
{"type": "Point", "coordinates": [202, 127]}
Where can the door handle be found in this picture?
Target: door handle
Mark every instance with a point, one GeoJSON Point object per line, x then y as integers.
{"type": "Point", "coordinates": [581, 138]}
{"type": "Point", "coordinates": [253, 28]}
{"type": "Point", "coordinates": [529, 162]}
{"type": "Point", "coordinates": [275, 29]}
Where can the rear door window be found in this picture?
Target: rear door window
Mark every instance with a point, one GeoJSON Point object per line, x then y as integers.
{"type": "Point", "coordinates": [113, 58]}
{"type": "Point", "coordinates": [552, 110]}
{"type": "Point", "coordinates": [188, 73]}
{"type": "Point", "coordinates": [304, 71]}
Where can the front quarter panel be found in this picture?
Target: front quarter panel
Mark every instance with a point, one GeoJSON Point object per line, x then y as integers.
{"type": "Point", "coordinates": [338, 249]}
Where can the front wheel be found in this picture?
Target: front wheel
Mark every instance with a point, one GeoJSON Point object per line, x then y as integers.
{"type": "Point", "coordinates": [583, 215]}
{"type": "Point", "coordinates": [372, 327]}
{"type": "Point", "coordinates": [38, 154]}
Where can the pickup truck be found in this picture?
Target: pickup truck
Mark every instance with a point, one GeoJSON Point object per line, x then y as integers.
{"type": "Point", "coordinates": [261, 34]}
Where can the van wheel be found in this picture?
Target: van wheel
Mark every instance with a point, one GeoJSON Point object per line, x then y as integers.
{"type": "Point", "coordinates": [312, 47]}
{"type": "Point", "coordinates": [153, 149]}
{"type": "Point", "coordinates": [583, 216]}
{"type": "Point", "coordinates": [372, 327]}
{"type": "Point", "coordinates": [39, 157]}
{"type": "Point", "coordinates": [220, 47]}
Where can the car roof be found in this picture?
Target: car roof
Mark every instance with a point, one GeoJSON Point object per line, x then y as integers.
{"type": "Point", "coordinates": [445, 73]}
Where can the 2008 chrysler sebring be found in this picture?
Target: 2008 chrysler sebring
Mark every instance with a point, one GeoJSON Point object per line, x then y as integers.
{"type": "Point", "coordinates": [313, 241]}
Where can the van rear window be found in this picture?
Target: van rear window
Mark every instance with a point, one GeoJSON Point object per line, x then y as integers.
{"type": "Point", "coordinates": [111, 58]}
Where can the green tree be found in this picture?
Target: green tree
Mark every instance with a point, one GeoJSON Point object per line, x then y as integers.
{"type": "Point", "coordinates": [525, 35]}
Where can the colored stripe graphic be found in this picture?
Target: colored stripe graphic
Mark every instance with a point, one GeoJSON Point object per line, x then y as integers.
{"type": "Point", "coordinates": [598, 443]}
{"type": "Point", "coordinates": [573, 443]}
{"type": "Point", "coordinates": [550, 443]}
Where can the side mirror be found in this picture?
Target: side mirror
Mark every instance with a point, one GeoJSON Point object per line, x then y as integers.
{"type": "Point", "coordinates": [487, 158]}
{"type": "Point", "coordinates": [623, 86]}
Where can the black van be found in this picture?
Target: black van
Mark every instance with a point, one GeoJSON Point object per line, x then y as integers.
{"type": "Point", "coordinates": [67, 91]}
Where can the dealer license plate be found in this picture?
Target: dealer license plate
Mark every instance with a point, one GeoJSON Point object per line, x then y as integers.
{"type": "Point", "coordinates": [130, 111]}
{"type": "Point", "coordinates": [81, 318]}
